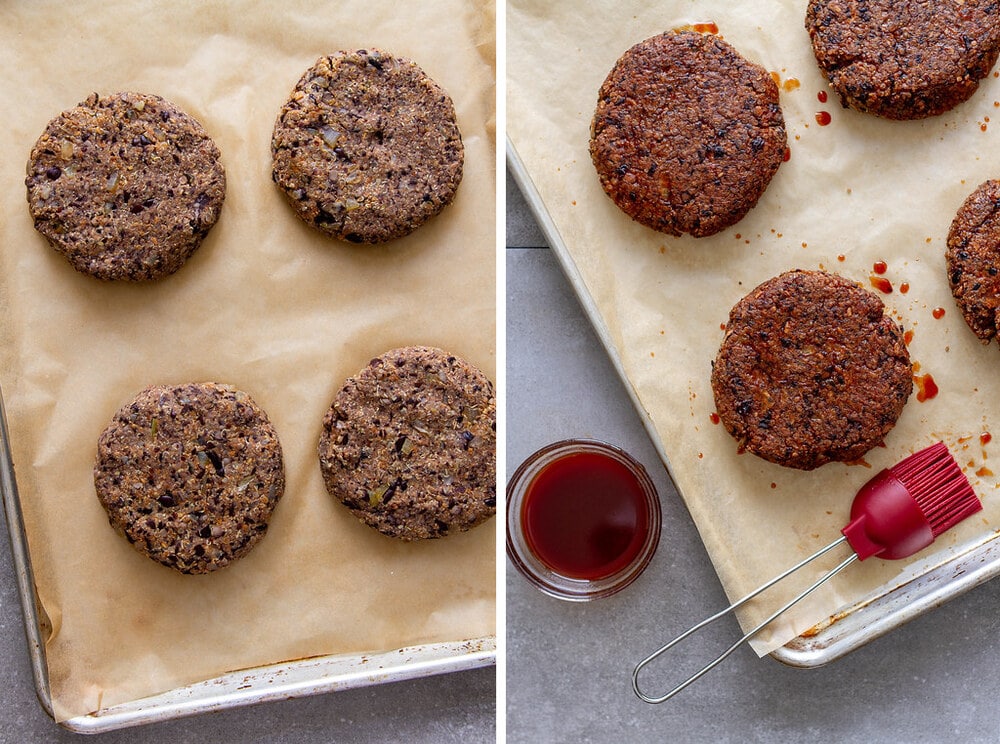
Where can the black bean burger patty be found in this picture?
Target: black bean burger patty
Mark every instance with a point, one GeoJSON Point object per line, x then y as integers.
{"type": "Point", "coordinates": [904, 59]}
{"type": "Point", "coordinates": [811, 370]}
{"type": "Point", "coordinates": [409, 444]}
{"type": "Point", "coordinates": [687, 133]}
{"type": "Point", "coordinates": [973, 260]}
{"type": "Point", "coordinates": [367, 147]}
{"type": "Point", "coordinates": [125, 186]}
{"type": "Point", "coordinates": [190, 474]}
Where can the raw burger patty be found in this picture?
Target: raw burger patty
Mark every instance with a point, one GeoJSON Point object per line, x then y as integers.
{"type": "Point", "coordinates": [810, 370]}
{"type": "Point", "coordinates": [904, 59]}
{"type": "Point", "coordinates": [409, 444]}
{"type": "Point", "coordinates": [687, 133]}
{"type": "Point", "coordinates": [190, 474]}
{"type": "Point", "coordinates": [367, 147]}
{"type": "Point", "coordinates": [125, 186]}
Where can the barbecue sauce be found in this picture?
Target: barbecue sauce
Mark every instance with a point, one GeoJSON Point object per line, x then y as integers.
{"type": "Point", "coordinates": [585, 516]}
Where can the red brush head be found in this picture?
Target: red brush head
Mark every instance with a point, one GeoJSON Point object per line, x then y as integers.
{"type": "Point", "coordinates": [901, 510]}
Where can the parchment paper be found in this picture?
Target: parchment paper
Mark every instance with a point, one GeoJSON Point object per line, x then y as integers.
{"type": "Point", "coordinates": [266, 304]}
{"type": "Point", "coordinates": [855, 192]}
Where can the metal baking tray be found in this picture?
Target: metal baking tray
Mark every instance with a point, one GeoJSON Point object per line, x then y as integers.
{"type": "Point", "coordinates": [854, 625]}
{"type": "Point", "coordinates": [279, 681]}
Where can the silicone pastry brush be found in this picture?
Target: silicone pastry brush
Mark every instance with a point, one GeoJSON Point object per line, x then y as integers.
{"type": "Point", "coordinates": [897, 513]}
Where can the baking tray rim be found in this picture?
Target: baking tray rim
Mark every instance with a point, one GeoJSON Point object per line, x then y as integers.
{"type": "Point", "coordinates": [854, 625]}
{"type": "Point", "coordinates": [266, 683]}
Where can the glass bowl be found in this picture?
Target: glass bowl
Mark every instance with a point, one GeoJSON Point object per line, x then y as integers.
{"type": "Point", "coordinates": [583, 519]}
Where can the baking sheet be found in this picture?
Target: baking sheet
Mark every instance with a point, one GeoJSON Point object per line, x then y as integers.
{"type": "Point", "coordinates": [295, 678]}
{"type": "Point", "coordinates": [265, 304]}
{"type": "Point", "coordinates": [854, 193]}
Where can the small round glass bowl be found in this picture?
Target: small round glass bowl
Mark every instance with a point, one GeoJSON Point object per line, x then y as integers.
{"type": "Point", "coordinates": [583, 519]}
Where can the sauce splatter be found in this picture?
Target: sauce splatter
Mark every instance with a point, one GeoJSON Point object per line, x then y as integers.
{"type": "Point", "coordinates": [823, 118]}
{"type": "Point", "coordinates": [984, 471]}
{"type": "Point", "coordinates": [938, 313]}
{"type": "Point", "coordinates": [792, 84]}
{"type": "Point", "coordinates": [907, 336]}
{"type": "Point", "coordinates": [714, 417]}
{"type": "Point", "coordinates": [881, 284]}
{"type": "Point", "coordinates": [904, 287]}
{"type": "Point", "coordinates": [926, 387]}
{"type": "Point", "coordinates": [985, 438]}
{"type": "Point", "coordinates": [707, 27]}
{"type": "Point", "coordinates": [841, 258]}
{"type": "Point", "coordinates": [880, 267]}
{"type": "Point", "coordinates": [821, 96]}
{"type": "Point", "coordinates": [788, 155]}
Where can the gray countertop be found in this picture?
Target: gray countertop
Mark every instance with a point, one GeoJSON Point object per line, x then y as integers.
{"type": "Point", "coordinates": [569, 664]}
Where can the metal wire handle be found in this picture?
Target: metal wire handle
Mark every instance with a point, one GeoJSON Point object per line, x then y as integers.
{"type": "Point", "coordinates": [711, 665]}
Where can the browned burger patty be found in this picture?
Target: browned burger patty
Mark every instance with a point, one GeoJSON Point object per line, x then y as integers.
{"type": "Point", "coordinates": [904, 59]}
{"type": "Point", "coordinates": [409, 444]}
{"type": "Point", "coordinates": [810, 370]}
{"type": "Point", "coordinates": [973, 260]}
{"type": "Point", "coordinates": [367, 147]}
{"type": "Point", "coordinates": [687, 133]}
{"type": "Point", "coordinates": [125, 186]}
{"type": "Point", "coordinates": [190, 474]}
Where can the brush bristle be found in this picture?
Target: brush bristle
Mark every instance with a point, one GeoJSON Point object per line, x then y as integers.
{"type": "Point", "coordinates": [938, 485]}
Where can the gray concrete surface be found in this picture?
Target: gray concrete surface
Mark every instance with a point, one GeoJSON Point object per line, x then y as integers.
{"type": "Point", "coordinates": [935, 679]}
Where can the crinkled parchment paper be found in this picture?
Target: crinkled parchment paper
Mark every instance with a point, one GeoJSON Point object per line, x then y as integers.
{"type": "Point", "coordinates": [267, 305]}
{"type": "Point", "coordinates": [855, 192]}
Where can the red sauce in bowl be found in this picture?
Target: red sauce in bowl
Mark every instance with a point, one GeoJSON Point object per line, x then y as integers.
{"type": "Point", "coordinates": [585, 516]}
{"type": "Point", "coordinates": [583, 519]}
